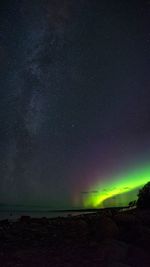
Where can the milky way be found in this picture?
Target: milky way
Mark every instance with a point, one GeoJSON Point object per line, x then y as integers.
{"type": "Point", "coordinates": [74, 103]}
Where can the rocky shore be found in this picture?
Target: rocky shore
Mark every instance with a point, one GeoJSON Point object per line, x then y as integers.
{"type": "Point", "coordinates": [102, 239]}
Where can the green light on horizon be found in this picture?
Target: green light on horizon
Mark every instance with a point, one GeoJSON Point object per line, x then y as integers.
{"type": "Point", "coordinates": [118, 185]}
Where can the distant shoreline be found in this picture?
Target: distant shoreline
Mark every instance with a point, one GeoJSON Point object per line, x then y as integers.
{"type": "Point", "coordinates": [4, 209]}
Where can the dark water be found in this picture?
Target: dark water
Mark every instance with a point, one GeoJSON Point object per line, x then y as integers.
{"type": "Point", "coordinates": [14, 215]}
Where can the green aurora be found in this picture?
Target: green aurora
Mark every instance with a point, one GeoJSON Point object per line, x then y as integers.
{"type": "Point", "coordinates": [119, 190]}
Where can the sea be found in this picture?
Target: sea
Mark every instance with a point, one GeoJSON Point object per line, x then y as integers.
{"type": "Point", "coordinates": [14, 215]}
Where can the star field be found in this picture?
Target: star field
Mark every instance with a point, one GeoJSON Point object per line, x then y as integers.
{"type": "Point", "coordinates": [74, 96]}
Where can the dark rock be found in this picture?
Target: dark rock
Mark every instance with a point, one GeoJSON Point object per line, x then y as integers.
{"type": "Point", "coordinates": [125, 219]}
{"type": "Point", "coordinates": [138, 257]}
{"type": "Point", "coordinates": [143, 236]}
{"type": "Point", "coordinates": [103, 228]}
{"type": "Point", "coordinates": [118, 264]}
{"type": "Point", "coordinates": [4, 222]}
{"type": "Point", "coordinates": [2, 234]}
{"type": "Point", "coordinates": [114, 250]}
{"type": "Point", "coordinates": [143, 217]}
{"type": "Point", "coordinates": [25, 219]}
{"type": "Point", "coordinates": [126, 224]}
{"type": "Point", "coordinates": [44, 221]}
{"type": "Point", "coordinates": [76, 229]}
{"type": "Point", "coordinates": [97, 239]}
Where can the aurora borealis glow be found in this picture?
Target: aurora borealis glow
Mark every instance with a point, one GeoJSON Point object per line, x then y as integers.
{"type": "Point", "coordinates": [118, 186]}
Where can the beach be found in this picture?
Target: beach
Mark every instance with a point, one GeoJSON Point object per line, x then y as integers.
{"type": "Point", "coordinates": [105, 238]}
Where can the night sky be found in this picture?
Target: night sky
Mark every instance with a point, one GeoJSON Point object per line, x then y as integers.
{"type": "Point", "coordinates": [74, 97]}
